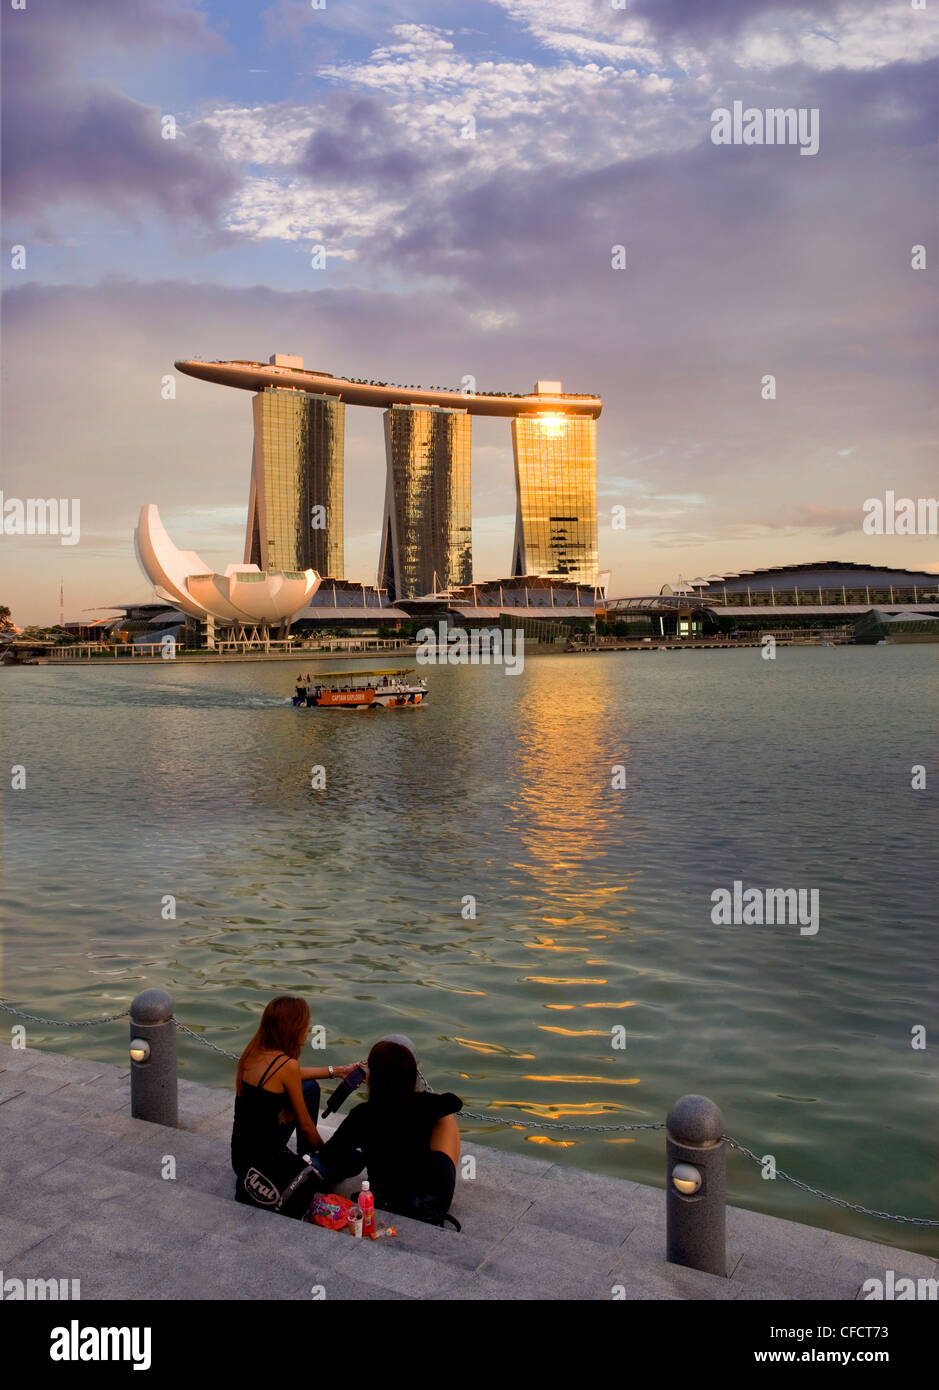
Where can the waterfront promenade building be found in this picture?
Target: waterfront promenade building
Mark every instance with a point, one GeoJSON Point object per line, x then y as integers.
{"type": "Point", "coordinates": [425, 538]}
{"type": "Point", "coordinates": [427, 533]}
{"type": "Point", "coordinates": [556, 489]}
{"type": "Point", "coordinates": [819, 593]}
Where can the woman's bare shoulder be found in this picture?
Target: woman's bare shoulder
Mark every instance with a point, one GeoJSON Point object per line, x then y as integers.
{"type": "Point", "coordinates": [264, 1061]}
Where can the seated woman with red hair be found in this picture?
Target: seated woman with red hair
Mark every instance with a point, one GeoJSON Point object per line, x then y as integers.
{"type": "Point", "coordinates": [275, 1096]}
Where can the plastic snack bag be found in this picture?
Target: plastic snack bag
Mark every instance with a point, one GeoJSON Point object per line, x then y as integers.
{"type": "Point", "coordinates": [329, 1210]}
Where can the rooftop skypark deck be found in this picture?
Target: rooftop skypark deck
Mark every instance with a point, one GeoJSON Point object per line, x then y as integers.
{"type": "Point", "coordinates": [256, 376]}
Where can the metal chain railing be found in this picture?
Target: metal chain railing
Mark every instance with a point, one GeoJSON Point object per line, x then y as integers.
{"type": "Point", "coordinates": [181, 1027]}
{"type": "Point", "coordinates": [826, 1197]}
{"type": "Point", "coordinates": [60, 1023]}
{"type": "Point", "coordinates": [555, 1124]}
{"type": "Point", "coordinates": [517, 1123]}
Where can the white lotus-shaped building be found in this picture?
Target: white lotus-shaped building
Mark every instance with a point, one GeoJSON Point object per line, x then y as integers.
{"type": "Point", "coordinates": [243, 594]}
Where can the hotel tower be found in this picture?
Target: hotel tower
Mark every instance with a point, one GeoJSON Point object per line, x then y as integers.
{"type": "Point", "coordinates": [295, 510]}
{"type": "Point", "coordinates": [295, 504]}
{"type": "Point", "coordinates": [427, 536]}
{"type": "Point", "coordinates": [556, 489]}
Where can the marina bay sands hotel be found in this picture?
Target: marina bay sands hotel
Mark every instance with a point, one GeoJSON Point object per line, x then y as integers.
{"type": "Point", "coordinates": [295, 506]}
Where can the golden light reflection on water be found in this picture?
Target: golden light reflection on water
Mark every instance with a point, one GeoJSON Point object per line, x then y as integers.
{"type": "Point", "coordinates": [567, 816]}
{"type": "Point", "coordinates": [494, 1047]}
{"type": "Point", "coordinates": [587, 1080]}
{"type": "Point", "coordinates": [563, 980]}
{"type": "Point", "coordinates": [551, 945]}
{"type": "Point", "coordinates": [623, 1004]}
{"type": "Point", "coordinates": [553, 1111]}
{"type": "Point", "coordinates": [556, 1143]}
{"type": "Point", "coordinates": [573, 1032]}
{"type": "Point", "coordinates": [566, 800]}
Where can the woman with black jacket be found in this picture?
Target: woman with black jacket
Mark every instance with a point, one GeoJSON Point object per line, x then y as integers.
{"type": "Point", "coordinates": [409, 1139]}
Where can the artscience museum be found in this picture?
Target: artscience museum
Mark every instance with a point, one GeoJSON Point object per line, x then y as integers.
{"type": "Point", "coordinates": [244, 599]}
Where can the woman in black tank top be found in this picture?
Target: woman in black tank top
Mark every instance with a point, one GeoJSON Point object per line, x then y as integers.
{"type": "Point", "coordinates": [274, 1095]}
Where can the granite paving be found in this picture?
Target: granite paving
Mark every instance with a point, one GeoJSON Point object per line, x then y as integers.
{"type": "Point", "coordinates": [84, 1195]}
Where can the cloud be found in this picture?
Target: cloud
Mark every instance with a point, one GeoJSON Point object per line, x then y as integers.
{"type": "Point", "coordinates": [725, 17]}
{"type": "Point", "coordinates": [71, 140]}
{"type": "Point", "coordinates": [364, 144]}
{"type": "Point", "coordinates": [831, 521]}
{"type": "Point", "coordinates": [492, 257]}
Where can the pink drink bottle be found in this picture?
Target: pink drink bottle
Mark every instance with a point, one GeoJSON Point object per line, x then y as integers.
{"type": "Point", "coordinates": [367, 1203]}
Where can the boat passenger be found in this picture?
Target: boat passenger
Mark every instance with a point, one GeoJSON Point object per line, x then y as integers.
{"type": "Point", "coordinates": [409, 1139]}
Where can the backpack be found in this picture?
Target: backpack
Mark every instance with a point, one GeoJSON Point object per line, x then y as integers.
{"type": "Point", "coordinates": [281, 1183]}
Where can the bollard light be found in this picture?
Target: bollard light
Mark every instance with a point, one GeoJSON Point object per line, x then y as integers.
{"type": "Point", "coordinates": [696, 1186]}
{"type": "Point", "coordinates": [686, 1179]}
{"type": "Point", "coordinates": [152, 1045]}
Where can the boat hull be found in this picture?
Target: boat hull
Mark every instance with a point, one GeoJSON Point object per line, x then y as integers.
{"type": "Point", "coordinates": [369, 698]}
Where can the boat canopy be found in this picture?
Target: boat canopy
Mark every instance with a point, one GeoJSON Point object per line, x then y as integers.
{"type": "Point", "coordinates": [320, 676]}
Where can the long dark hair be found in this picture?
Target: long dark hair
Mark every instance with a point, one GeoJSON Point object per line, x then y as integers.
{"type": "Point", "coordinates": [282, 1029]}
{"type": "Point", "coordinates": [392, 1074]}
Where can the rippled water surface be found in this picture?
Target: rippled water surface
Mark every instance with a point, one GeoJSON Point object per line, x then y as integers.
{"type": "Point", "coordinates": [592, 902]}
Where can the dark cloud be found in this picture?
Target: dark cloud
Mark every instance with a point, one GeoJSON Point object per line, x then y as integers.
{"type": "Point", "coordinates": [104, 150]}
{"type": "Point", "coordinates": [361, 142]}
{"type": "Point", "coordinates": [66, 140]}
{"type": "Point", "coordinates": [769, 222]}
{"type": "Point", "coordinates": [696, 17]}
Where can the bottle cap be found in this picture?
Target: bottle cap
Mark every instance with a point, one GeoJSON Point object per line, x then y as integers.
{"type": "Point", "coordinates": [365, 1186]}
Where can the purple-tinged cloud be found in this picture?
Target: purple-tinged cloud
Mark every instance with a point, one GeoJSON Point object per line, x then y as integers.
{"type": "Point", "coordinates": [696, 17]}
{"type": "Point", "coordinates": [363, 143]}
{"type": "Point", "coordinates": [67, 140]}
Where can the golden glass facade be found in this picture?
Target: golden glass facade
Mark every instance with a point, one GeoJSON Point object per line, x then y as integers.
{"type": "Point", "coordinates": [427, 537]}
{"type": "Point", "coordinates": [297, 469]}
{"type": "Point", "coordinates": [556, 482]}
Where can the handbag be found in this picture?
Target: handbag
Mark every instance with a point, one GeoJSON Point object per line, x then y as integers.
{"type": "Point", "coordinates": [281, 1183]}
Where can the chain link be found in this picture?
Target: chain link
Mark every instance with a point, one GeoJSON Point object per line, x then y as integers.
{"type": "Point", "coordinates": [516, 1123]}
{"type": "Point", "coordinates": [826, 1197]}
{"type": "Point", "coordinates": [204, 1041]}
{"type": "Point", "coordinates": [555, 1124]}
{"type": "Point", "coordinates": [60, 1023]}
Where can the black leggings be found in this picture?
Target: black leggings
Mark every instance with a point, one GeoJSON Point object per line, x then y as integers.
{"type": "Point", "coordinates": [441, 1178]}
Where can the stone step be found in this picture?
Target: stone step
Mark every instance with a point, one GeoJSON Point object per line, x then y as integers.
{"type": "Point", "coordinates": [82, 1194]}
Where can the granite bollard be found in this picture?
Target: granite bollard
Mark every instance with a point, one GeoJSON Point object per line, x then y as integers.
{"type": "Point", "coordinates": [153, 1090]}
{"type": "Point", "coordinates": [696, 1185]}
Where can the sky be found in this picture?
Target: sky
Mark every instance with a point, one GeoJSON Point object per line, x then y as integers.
{"type": "Point", "coordinates": [470, 169]}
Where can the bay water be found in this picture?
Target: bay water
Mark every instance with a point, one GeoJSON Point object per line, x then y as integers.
{"type": "Point", "coordinates": [519, 876]}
